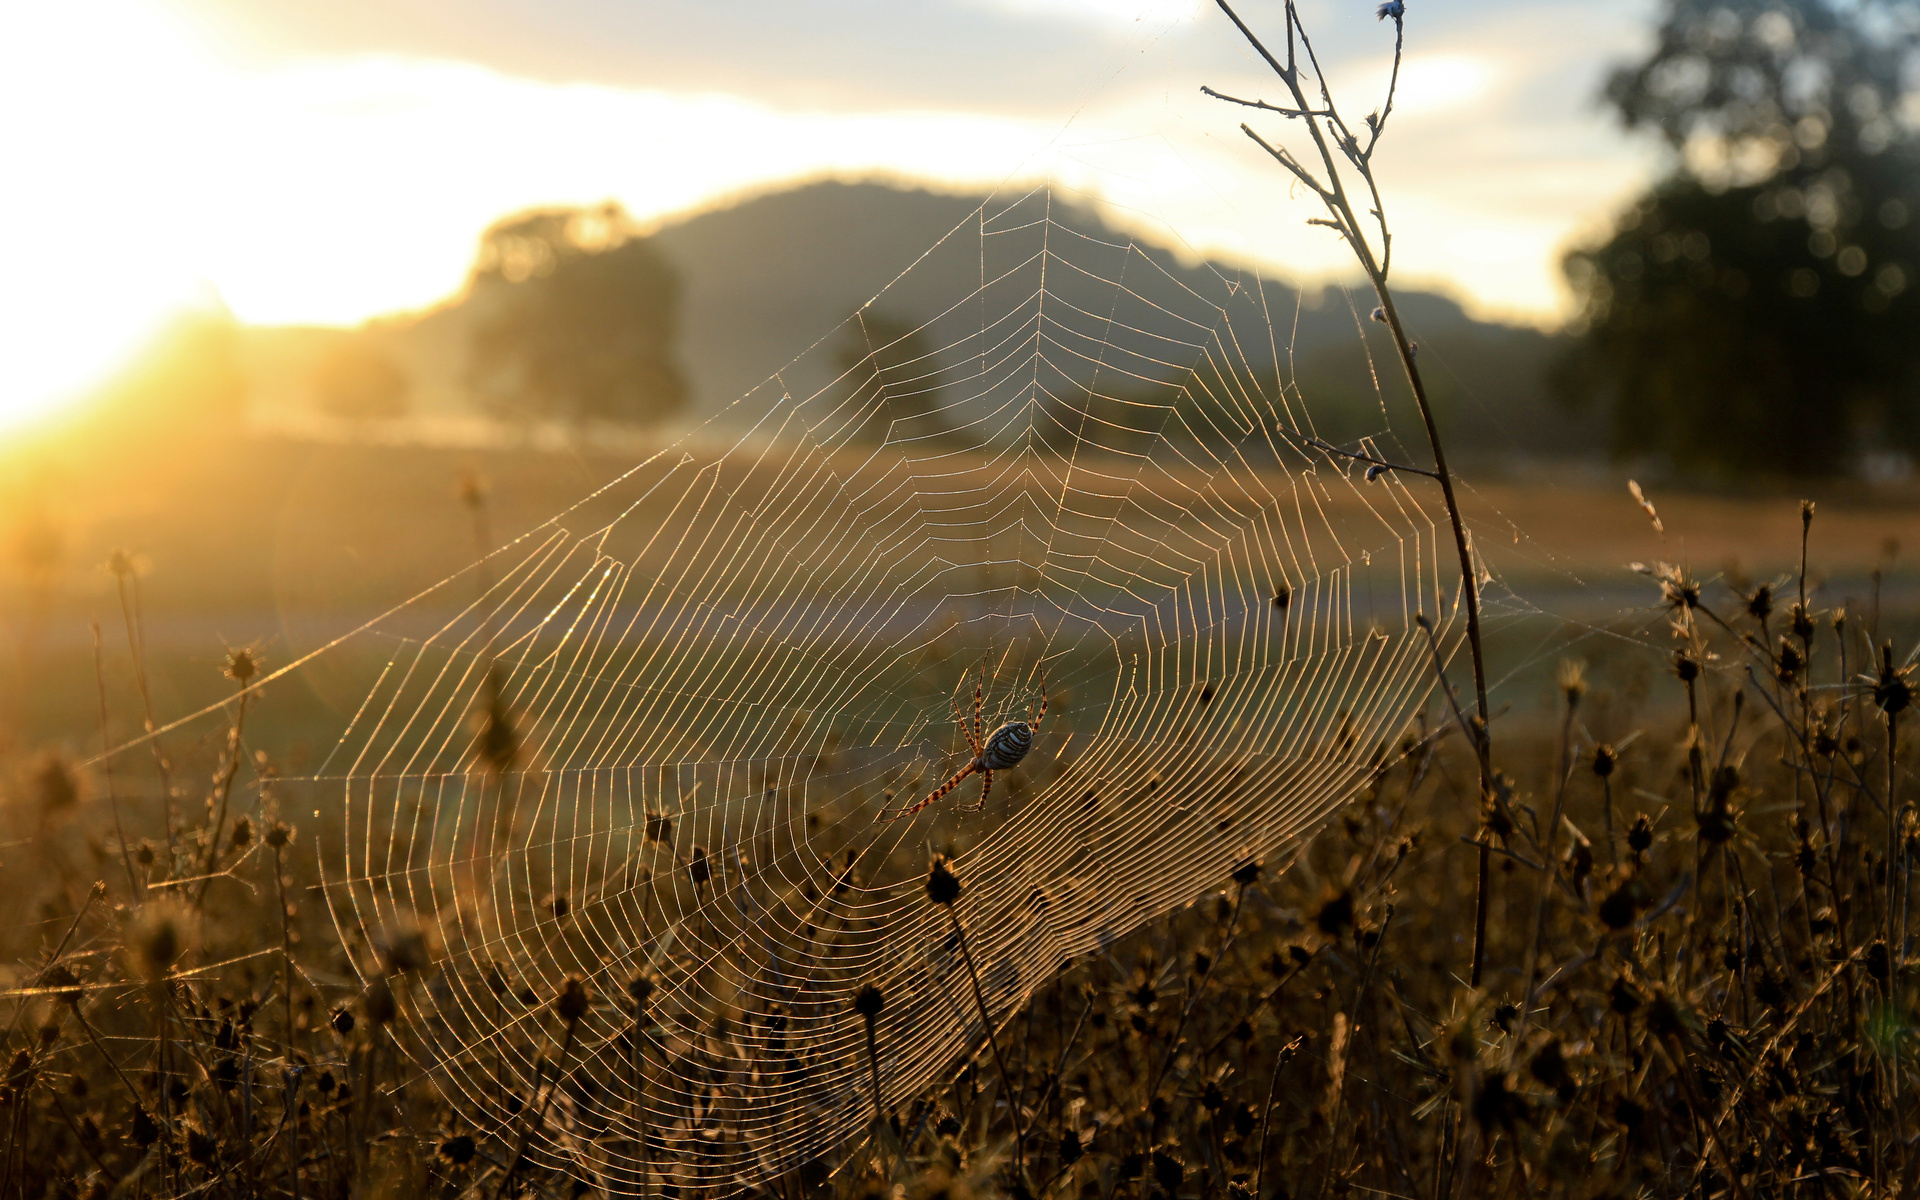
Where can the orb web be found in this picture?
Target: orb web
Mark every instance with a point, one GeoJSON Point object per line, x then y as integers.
{"type": "Point", "coordinates": [653, 739]}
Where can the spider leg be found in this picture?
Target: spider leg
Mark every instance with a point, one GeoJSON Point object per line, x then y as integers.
{"type": "Point", "coordinates": [942, 790]}
{"type": "Point", "coordinates": [977, 734]}
{"type": "Point", "coordinates": [986, 786]}
{"type": "Point", "coordinates": [1042, 715]}
{"type": "Point", "coordinates": [973, 743]}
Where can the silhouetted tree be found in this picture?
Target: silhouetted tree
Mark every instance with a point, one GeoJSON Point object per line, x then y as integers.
{"type": "Point", "coordinates": [1755, 310]}
{"type": "Point", "coordinates": [578, 319]}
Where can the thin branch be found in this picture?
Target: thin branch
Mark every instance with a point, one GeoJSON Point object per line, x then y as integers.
{"type": "Point", "coordinates": [1263, 106]}
{"type": "Point", "coordinates": [1287, 160]}
{"type": "Point", "coordinates": [1285, 72]}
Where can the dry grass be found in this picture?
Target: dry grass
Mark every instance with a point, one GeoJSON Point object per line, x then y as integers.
{"type": "Point", "coordinates": [1700, 973]}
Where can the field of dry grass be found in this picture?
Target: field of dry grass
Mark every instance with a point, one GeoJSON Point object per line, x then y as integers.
{"type": "Point", "coordinates": [1698, 976]}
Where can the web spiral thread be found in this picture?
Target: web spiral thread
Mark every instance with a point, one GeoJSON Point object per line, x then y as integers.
{"type": "Point", "coordinates": [652, 739]}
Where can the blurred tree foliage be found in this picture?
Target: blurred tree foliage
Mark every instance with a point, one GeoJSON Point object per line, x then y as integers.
{"type": "Point", "coordinates": [578, 319]}
{"type": "Point", "coordinates": [895, 359]}
{"type": "Point", "coordinates": [359, 382]}
{"type": "Point", "coordinates": [1757, 310]}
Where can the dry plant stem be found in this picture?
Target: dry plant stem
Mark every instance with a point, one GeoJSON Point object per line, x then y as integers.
{"type": "Point", "coordinates": [286, 956]}
{"type": "Point", "coordinates": [986, 1019]}
{"type": "Point", "coordinates": [131, 617]}
{"type": "Point", "coordinates": [231, 768]}
{"type": "Point", "coordinates": [292, 1122]}
{"type": "Point", "coordinates": [1346, 222]}
{"type": "Point", "coordinates": [1173, 1048]}
{"type": "Point", "coordinates": [540, 1115]}
{"type": "Point", "coordinates": [106, 764]}
{"type": "Point", "coordinates": [1893, 837]}
{"type": "Point", "coordinates": [1266, 1113]}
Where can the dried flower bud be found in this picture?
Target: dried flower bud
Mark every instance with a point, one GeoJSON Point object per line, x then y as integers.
{"type": "Point", "coordinates": [1891, 691]}
{"type": "Point", "coordinates": [161, 933]}
{"type": "Point", "coordinates": [1802, 622]}
{"type": "Point", "coordinates": [1787, 662]}
{"type": "Point", "coordinates": [1760, 603]}
{"type": "Point", "coordinates": [943, 886]}
{"type": "Point", "coordinates": [241, 666]}
{"type": "Point", "coordinates": [573, 1002]}
{"type": "Point", "coordinates": [1640, 837]}
{"type": "Point", "coordinates": [1605, 757]}
{"type": "Point", "coordinates": [380, 1004]}
{"type": "Point", "coordinates": [640, 990]}
{"type": "Point", "coordinates": [1686, 666]}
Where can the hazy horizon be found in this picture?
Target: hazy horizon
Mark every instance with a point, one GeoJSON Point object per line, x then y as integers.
{"type": "Point", "coordinates": [297, 163]}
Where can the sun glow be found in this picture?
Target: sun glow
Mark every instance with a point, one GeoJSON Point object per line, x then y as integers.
{"type": "Point", "coordinates": [156, 169]}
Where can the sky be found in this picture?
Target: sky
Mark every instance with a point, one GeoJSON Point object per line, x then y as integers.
{"type": "Point", "coordinates": [327, 161]}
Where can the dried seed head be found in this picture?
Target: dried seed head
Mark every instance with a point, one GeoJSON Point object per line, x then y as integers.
{"type": "Point", "coordinates": [1802, 622]}
{"type": "Point", "coordinates": [1806, 514]}
{"type": "Point", "coordinates": [698, 868]}
{"type": "Point", "coordinates": [659, 827]}
{"type": "Point", "coordinates": [1246, 873]}
{"type": "Point", "coordinates": [640, 990]}
{"type": "Point", "coordinates": [1760, 602]}
{"type": "Point", "coordinates": [342, 1023]}
{"type": "Point", "coordinates": [1572, 677]}
{"type": "Point", "coordinates": [472, 489]}
{"type": "Point", "coordinates": [55, 786]}
{"type": "Point", "coordinates": [242, 833]}
{"type": "Point", "coordinates": [1640, 836]}
{"type": "Point", "coordinates": [1168, 1171]}
{"type": "Point", "coordinates": [405, 948]}
{"type": "Point", "coordinates": [1605, 758]}
{"type": "Point", "coordinates": [162, 932]}
{"type": "Point", "coordinates": [1891, 690]}
{"type": "Point", "coordinates": [1685, 666]}
{"type": "Point", "coordinates": [1787, 662]}
{"type": "Point", "coordinates": [943, 886]}
{"type": "Point", "coordinates": [458, 1151]}
{"type": "Point", "coordinates": [241, 666]}
{"type": "Point", "coordinates": [1336, 913]}
{"type": "Point", "coordinates": [495, 739]}
{"type": "Point", "coordinates": [573, 1002]}
{"type": "Point", "coordinates": [379, 1001]}
{"type": "Point", "coordinates": [280, 835]}
{"type": "Point", "coordinates": [64, 984]}
{"type": "Point", "coordinates": [868, 1001]}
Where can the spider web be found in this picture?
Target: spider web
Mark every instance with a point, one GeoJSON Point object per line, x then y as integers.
{"type": "Point", "coordinates": [653, 737]}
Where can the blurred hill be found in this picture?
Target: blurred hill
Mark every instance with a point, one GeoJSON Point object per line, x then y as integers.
{"type": "Point", "coordinates": [759, 282]}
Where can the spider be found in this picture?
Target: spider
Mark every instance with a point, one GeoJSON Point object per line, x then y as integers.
{"type": "Point", "coordinates": [1001, 751]}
